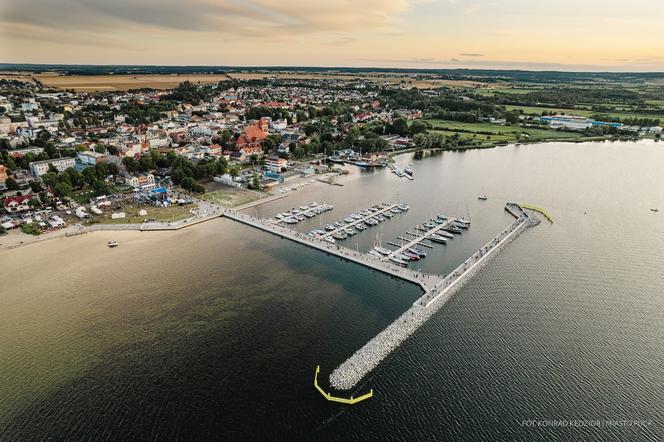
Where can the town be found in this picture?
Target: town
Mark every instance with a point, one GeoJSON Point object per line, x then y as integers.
{"type": "Point", "coordinates": [82, 158]}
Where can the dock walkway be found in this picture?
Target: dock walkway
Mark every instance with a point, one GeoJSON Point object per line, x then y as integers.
{"type": "Point", "coordinates": [420, 238]}
{"type": "Point", "coordinates": [361, 220]}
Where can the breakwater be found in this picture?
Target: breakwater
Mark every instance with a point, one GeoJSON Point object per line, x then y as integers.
{"type": "Point", "coordinates": [366, 359]}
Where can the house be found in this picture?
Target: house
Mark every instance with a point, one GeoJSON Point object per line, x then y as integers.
{"type": "Point", "coordinates": [213, 150]}
{"type": "Point", "coordinates": [275, 164]}
{"type": "Point", "coordinates": [13, 204]}
{"type": "Point", "coordinates": [39, 168]}
{"type": "Point", "coordinates": [143, 181]}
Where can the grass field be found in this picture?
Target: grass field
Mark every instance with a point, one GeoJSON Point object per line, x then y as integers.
{"type": "Point", "coordinates": [231, 197]}
{"type": "Point", "coordinates": [171, 213]}
{"type": "Point", "coordinates": [500, 132]}
{"type": "Point", "coordinates": [123, 82]}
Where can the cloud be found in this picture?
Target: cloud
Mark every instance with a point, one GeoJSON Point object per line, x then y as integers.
{"type": "Point", "coordinates": [253, 17]}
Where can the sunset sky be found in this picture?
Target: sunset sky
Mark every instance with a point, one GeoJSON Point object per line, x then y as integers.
{"type": "Point", "coordinates": [561, 34]}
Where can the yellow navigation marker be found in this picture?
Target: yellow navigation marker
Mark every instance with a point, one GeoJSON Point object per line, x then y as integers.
{"type": "Point", "coordinates": [342, 400]}
{"type": "Point", "coordinates": [538, 209]}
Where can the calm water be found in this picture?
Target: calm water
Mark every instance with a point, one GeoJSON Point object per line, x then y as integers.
{"type": "Point", "coordinates": [213, 332]}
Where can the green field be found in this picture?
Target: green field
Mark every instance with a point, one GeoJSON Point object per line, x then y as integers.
{"type": "Point", "coordinates": [498, 132]}
{"type": "Point", "coordinates": [231, 197]}
{"type": "Point", "coordinates": [622, 114]}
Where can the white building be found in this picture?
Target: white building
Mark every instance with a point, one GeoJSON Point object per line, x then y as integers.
{"type": "Point", "coordinates": [145, 181]}
{"type": "Point", "coordinates": [39, 168]}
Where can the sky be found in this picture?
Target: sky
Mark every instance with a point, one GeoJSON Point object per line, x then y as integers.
{"type": "Point", "coordinates": [581, 35]}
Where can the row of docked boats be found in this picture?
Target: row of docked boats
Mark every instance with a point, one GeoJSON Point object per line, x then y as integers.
{"type": "Point", "coordinates": [414, 253]}
{"type": "Point", "coordinates": [297, 214]}
{"type": "Point", "coordinates": [358, 222]}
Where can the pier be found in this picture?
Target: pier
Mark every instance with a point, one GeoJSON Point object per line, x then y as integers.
{"type": "Point", "coordinates": [423, 280]}
{"type": "Point", "coordinates": [386, 208]}
{"type": "Point", "coordinates": [420, 238]}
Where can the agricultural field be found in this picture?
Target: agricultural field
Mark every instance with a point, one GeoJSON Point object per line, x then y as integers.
{"type": "Point", "coordinates": [391, 78]}
{"type": "Point", "coordinates": [100, 83]}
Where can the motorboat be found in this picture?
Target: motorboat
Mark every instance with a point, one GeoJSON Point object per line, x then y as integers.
{"type": "Point", "coordinates": [339, 224]}
{"type": "Point", "coordinates": [429, 225]}
{"type": "Point", "coordinates": [349, 220]}
{"type": "Point", "coordinates": [356, 216]}
{"type": "Point", "coordinates": [388, 214]}
{"type": "Point", "coordinates": [398, 261]}
{"type": "Point", "coordinates": [460, 225]}
{"type": "Point", "coordinates": [445, 234]}
{"type": "Point", "coordinates": [482, 197]}
{"type": "Point", "coordinates": [330, 240]}
{"type": "Point", "coordinates": [437, 238]}
{"type": "Point", "coordinates": [375, 254]}
{"type": "Point", "coordinates": [350, 231]}
{"type": "Point", "coordinates": [360, 227]}
{"type": "Point", "coordinates": [421, 253]}
{"type": "Point", "coordinates": [453, 229]}
{"type": "Point", "coordinates": [404, 207]}
{"type": "Point", "coordinates": [395, 210]}
{"type": "Point", "coordinates": [382, 250]}
{"type": "Point", "coordinates": [381, 218]}
{"type": "Point", "coordinates": [340, 235]}
{"type": "Point", "coordinates": [411, 255]}
{"type": "Point", "coordinates": [329, 227]}
{"type": "Point", "coordinates": [654, 210]}
{"type": "Point", "coordinates": [408, 171]}
{"type": "Point", "coordinates": [112, 244]}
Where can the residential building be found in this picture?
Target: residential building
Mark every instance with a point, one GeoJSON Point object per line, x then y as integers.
{"type": "Point", "coordinates": [275, 164]}
{"type": "Point", "coordinates": [13, 204]}
{"type": "Point", "coordinates": [143, 181]}
{"type": "Point", "coordinates": [39, 168]}
{"type": "Point", "coordinates": [90, 158]}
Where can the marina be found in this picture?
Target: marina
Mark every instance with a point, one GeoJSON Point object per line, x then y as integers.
{"type": "Point", "coordinates": [438, 289]}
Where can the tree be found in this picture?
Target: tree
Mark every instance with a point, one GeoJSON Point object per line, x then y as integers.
{"type": "Point", "coordinates": [11, 184]}
{"type": "Point", "coordinates": [299, 153]}
{"type": "Point", "coordinates": [62, 189]}
{"type": "Point", "coordinates": [256, 182]}
{"type": "Point", "coordinates": [418, 127]}
{"type": "Point", "coordinates": [130, 163]}
{"type": "Point", "coordinates": [400, 127]}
